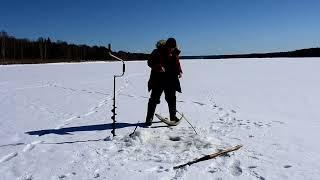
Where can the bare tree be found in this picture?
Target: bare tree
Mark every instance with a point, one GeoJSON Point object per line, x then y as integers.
{"type": "Point", "coordinates": [84, 53]}
{"type": "Point", "coordinates": [21, 48]}
{"type": "Point", "coordinates": [45, 49]}
{"type": "Point", "coordinates": [14, 48]}
{"type": "Point", "coordinates": [40, 40]}
{"type": "Point", "coordinates": [4, 36]}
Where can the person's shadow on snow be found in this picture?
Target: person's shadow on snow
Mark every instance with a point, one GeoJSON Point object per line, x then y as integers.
{"type": "Point", "coordinates": [97, 127]}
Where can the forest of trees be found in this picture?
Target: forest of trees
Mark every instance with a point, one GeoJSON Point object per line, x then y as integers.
{"type": "Point", "coordinates": [43, 50]}
{"type": "Point", "coordinates": [311, 52]}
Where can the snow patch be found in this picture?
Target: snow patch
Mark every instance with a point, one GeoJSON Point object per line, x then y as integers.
{"type": "Point", "coordinates": [138, 137]}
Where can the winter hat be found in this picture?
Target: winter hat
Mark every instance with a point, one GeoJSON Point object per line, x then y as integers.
{"type": "Point", "coordinates": [161, 43]}
{"type": "Point", "coordinates": [171, 43]}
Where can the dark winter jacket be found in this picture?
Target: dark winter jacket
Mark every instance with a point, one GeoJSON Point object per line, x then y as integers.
{"type": "Point", "coordinates": [161, 60]}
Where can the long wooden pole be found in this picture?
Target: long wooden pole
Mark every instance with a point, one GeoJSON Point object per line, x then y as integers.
{"type": "Point", "coordinates": [210, 156]}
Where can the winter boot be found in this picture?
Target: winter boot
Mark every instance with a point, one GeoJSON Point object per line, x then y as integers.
{"type": "Point", "coordinates": [173, 111]}
{"type": "Point", "coordinates": [150, 113]}
{"type": "Point", "coordinates": [174, 118]}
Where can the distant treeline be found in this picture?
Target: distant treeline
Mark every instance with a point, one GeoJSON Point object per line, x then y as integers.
{"type": "Point", "coordinates": [43, 50]}
{"type": "Point", "coordinates": [311, 52]}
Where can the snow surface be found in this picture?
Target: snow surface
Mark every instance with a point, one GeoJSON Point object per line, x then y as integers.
{"type": "Point", "coordinates": [55, 121]}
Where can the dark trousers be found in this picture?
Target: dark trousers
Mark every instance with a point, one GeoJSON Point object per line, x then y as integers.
{"type": "Point", "coordinates": [170, 96]}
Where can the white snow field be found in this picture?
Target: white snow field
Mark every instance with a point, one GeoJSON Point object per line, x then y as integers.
{"type": "Point", "coordinates": [55, 121]}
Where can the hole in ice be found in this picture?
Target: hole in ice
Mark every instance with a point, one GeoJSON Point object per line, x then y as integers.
{"type": "Point", "coordinates": [174, 138]}
{"type": "Point", "coordinates": [287, 166]}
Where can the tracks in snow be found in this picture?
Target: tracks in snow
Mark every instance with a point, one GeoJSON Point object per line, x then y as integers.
{"type": "Point", "coordinates": [26, 148]}
{"type": "Point", "coordinates": [101, 103]}
{"type": "Point", "coordinates": [124, 147]}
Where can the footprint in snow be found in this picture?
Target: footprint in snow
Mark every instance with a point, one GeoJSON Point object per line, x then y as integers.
{"type": "Point", "coordinates": [65, 176]}
{"type": "Point", "coordinates": [258, 125]}
{"type": "Point", "coordinates": [257, 175]}
{"type": "Point", "coordinates": [213, 169]}
{"type": "Point", "coordinates": [96, 173]}
{"type": "Point", "coordinates": [199, 103]}
{"type": "Point", "coordinates": [62, 176]}
{"type": "Point", "coordinates": [27, 177]}
{"type": "Point", "coordinates": [252, 167]}
{"type": "Point", "coordinates": [30, 146]}
{"type": "Point", "coordinates": [157, 169]}
{"type": "Point", "coordinates": [280, 122]}
{"type": "Point", "coordinates": [235, 168]}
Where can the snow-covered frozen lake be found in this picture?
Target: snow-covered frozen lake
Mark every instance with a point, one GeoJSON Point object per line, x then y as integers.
{"type": "Point", "coordinates": [55, 121]}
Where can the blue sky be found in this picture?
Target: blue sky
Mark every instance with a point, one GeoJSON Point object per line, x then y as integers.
{"type": "Point", "coordinates": [200, 27]}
